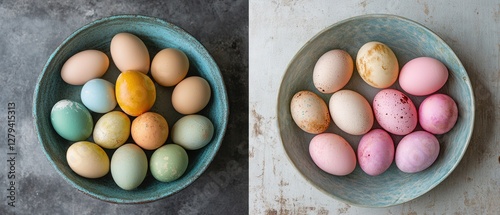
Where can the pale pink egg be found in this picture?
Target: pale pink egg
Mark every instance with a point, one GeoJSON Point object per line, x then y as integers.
{"type": "Point", "coordinates": [417, 151]}
{"type": "Point", "coordinates": [375, 152]}
{"type": "Point", "coordinates": [438, 113]}
{"type": "Point", "coordinates": [395, 112]}
{"type": "Point", "coordinates": [332, 154]}
{"type": "Point", "coordinates": [423, 76]}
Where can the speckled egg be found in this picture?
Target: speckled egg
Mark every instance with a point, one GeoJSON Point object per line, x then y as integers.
{"type": "Point", "coordinates": [332, 154]}
{"type": "Point", "coordinates": [395, 111]}
{"type": "Point", "coordinates": [98, 95]}
{"type": "Point", "coordinates": [135, 92]}
{"type": "Point", "coordinates": [192, 132]}
{"type": "Point", "coordinates": [377, 64]}
{"type": "Point", "coordinates": [87, 159]}
{"type": "Point", "coordinates": [129, 166]}
{"type": "Point", "coordinates": [112, 130]}
{"type": "Point", "coordinates": [71, 120]}
{"type": "Point", "coordinates": [309, 112]}
{"type": "Point", "coordinates": [375, 152]}
{"type": "Point", "coordinates": [332, 71]}
{"type": "Point", "coordinates": [438, 113]}
{"type": "Point", "coordinates": [168, 163]}
{"type": "Point", "coordinates": [149, 130]}
{"type": "Point", "coordinates": [351, 112]}
{"type": "Point", "coordinates": [417, 151]}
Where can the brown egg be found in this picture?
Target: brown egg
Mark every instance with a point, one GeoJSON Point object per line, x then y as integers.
{"type": "Point", "coordinates": [169, 67]}
{"type": "Point", "coordinates": [149, 130]}
{"type": "Point", "coordinates": [191, 95]}
{"type": "Point", "coordinates": [129, 53]}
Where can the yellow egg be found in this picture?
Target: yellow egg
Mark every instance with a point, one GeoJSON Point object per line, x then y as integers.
{"type": "Point", "coordinates": [135, 92]}
{"type": "Point", "coordinates": [377, 65]}
{"type": "Point", "coordinates": [87, 159]}
{"type": "Point", "coordinates": [112, 130]}
{"type": "Point", "coordinates": [169, 67]}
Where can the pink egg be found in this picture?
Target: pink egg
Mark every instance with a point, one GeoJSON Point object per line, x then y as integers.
{"type": "Point", "coordinates": [438, 114]}
{"type": "Point", "coordinates": [423, 76]}
{"type": "Point", "coordinates": [416, 151]}
{"type": "Point", "coordinates": [395, 111]}
{"type": "Point", "coordinates": [375, 152]}
{"type": "Point", "coordinates": [332, 154]}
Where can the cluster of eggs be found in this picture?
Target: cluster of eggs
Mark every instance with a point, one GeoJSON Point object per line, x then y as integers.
{"type": "Point", "coordinates": [135, 94]}
{"type": "Point", "coordinates": [392, 109]}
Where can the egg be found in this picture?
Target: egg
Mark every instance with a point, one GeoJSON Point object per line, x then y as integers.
{"type": "Point", "coordinates": [169, 67]}
{"type": "Point", "coordinates": [87, 159]}
{"type": "Point", "coordinates": [191, 95]}
{"type": "Point", "coordinates": [395, 111]}
{"type": "Point", "coordinates": [377, 64]}
{"type": "Point", "coordinates": [332, 154]}
{"type": "Point", "coordinates": [309, 112]}
{"type": "Point", "coordinates": [71, 120]}
{"type": "Point", "coordinates": [192, 132]}
{"type": "Point", "coordinates": [375, 152]}
{"type": "Point", "coordinates": [416, 152]}
{"type": "Point", "coordinates": [129, 166]}
{"type": "Point", "coordinates": [112, 130]}
{"type": "Point", "coordinates": [332, 71]}
{"type": "Point", "coordinates": [149, 130]}
{"type": "Point", "coordinates": [98, 95]}
{"type": "Point", "coordinates": [84, 66]}
{"type": "Point", "coordinates": [129, 53]}
{"type": "Point", "coordinates": [423, 76]}
{"type": "Point", "coordinates": [351, 112]}
{"type": "Point", "coordinates": [168, 163]}
{"type": "Point", "coordinates": [135, 92]}
{"type": "Point", "coordinates": [438, 113]}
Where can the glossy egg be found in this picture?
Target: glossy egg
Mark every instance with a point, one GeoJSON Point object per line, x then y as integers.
{"type": "Point", "coordinates": [149, 130]}
{"type": "Point", "coordinates": [112, 130]}
{"type": "Point", "coordinates": [135, 92]}
{"type": "Point", "coordinates": [377, 64]}
{"type": "Point", "coordinates": [87, 159]}
{"type": "Point", "coordinates": [129, 166]}
{"type": "Point", "coordinates": [417, 151]}
{"type": "Point", "coordinates": [98, 95]}
{"type": "Point", "coordinates": [191, 95]}
{"type": "Point", "coordinates": [309, 112]}
{"type": "Point", "coordinates": [332, 154]}
{"type": "Point", "coordinates": [423, 76]}
{"type": "Point", "coordinates": [71, 120]}
{"type": "Point", "coordinates": [438, 113]}
{"type": "Point", "coordinates": [332, 71]}
{"type": "Point", "coordinates": [84, 66]}
{"type": "Point", "coordinates": [375, 152]}
{"type": "Point", "coordinates": [129, 53]}
{"type": "Point", "coordinates": [168, 163]}
{"type": "Point", "coordinates": [351, 112]}
{"type": "Point", "coordinates": [395, 111]}
{"type": "Point", "coordinates": [192, 132]}
{"type": "Point", "coordinates": [169, 67]}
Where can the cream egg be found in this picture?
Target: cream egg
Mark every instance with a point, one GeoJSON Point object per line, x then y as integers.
{"type": "Point", "coordinates": [351, 112]}
{"type": "Point", "coordinates": [87, 159]}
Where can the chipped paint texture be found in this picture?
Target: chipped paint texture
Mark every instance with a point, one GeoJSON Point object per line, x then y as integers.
{"type": "Point", "coordinates": [278, 29]}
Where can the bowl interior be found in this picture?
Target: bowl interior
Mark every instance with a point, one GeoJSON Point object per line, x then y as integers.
{"type": "Point", "coordinates": [408, 40]}
{"type": "Point", "coordinates": [157, 35]}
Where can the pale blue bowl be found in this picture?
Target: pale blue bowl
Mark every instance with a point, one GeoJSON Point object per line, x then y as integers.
{"type": "Point", "coordinates": [408, 40]}
{"type": "Point", "coordinates": [156, 34]}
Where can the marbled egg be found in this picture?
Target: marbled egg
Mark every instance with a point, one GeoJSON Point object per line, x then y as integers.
{"type": "Point", "coordinates": [375, 152]}
{"type": "Point", "coordinates": [377, 64]}
{"type": "Point", "coordinates": [129, 166]}
{"type": "Point", "coordinates": [417, 151]}
{"type": "Point", "coordinates": [438, 113]}
{"type": "Point", "coordinates": [332, 154]}
{"type": "Point", "coordinates": [71, 120]}
{"type": "Point", "coordinates": [98, 95]}
{"type": "Point", "coordinates": [351, 112]}
{"type": "Point", "coordinates": [395, 111]}
{"type": "Point", "coordinates": [309, 112]}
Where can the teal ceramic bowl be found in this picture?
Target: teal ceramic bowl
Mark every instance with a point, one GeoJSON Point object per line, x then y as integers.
{"type": "Point", "coordinates": [157, 35]}
{"type": "Point", "coordinates": [408, 40]}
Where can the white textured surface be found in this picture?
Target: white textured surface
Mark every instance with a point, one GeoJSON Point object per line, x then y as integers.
{"type": "Point", "coordinates": [278, 29]}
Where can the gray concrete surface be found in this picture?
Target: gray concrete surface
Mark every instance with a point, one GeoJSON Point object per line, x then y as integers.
{"type": "Point", "coordinates": [31, 30]}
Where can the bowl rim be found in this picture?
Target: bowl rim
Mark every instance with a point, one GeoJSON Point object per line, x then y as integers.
{"type": "Point", "coordinates": [377, 16]}
{"type": "Point", "coordinates": [163, 24]}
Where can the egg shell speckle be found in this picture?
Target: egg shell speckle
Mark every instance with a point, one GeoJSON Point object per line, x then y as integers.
{"type": "Point", "coordinates": [395, 111]}
{"type": "Point", "coordinates": [375, 152]}
{"type": "Point", "coordinates": [332, 71]}
{"type": "Point", "coordinates": [377, 64]}
{"type": "Point", "coordinates": [309, 112]}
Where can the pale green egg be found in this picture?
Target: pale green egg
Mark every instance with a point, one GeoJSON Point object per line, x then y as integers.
{"type": "Point", "coordinates": [168, 163]}
{"type": "Point", "coordinates": [192, 131]}
{"type": "Point", "coordinates": [129, 166]}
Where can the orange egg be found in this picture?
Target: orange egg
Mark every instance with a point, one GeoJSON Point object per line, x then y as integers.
{"type": "Point", "coordinates": [149, 130]}
{"type": "Point", "coordinates": [135, 92]}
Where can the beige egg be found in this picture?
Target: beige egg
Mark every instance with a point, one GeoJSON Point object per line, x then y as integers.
{"type": "Point", "coordinates": [149, 130]}
{"type": "Point", "coordinates": [169, 67]}
{"type": "Point", "coordinates": [87, 159]}
{"type": "Point", "coordinates": [191, 95]}
{"type": "Point", "coordinates": [84, 66]}
{"type": "Point", "coordinates": [129, 53]}
{"type": "Point", "coordinates": [351, 112]}
{"type": "Point", "coordinates": [112, 130]}
{"type": "Point", "coordinates": [377, 65]}
{"type": "Point", "coordinates": [332, 71]}
{"type": "Point", "coordinates": [309, 112]}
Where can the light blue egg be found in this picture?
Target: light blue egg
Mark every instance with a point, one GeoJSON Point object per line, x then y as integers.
{"type": "Point", "coordinates": [98, 95]}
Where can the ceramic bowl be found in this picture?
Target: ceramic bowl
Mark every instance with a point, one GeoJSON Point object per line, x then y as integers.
{"type": "Point", "coordinates": [156, 34]}
{"type": "Point", "coordinates": [408, 40]}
